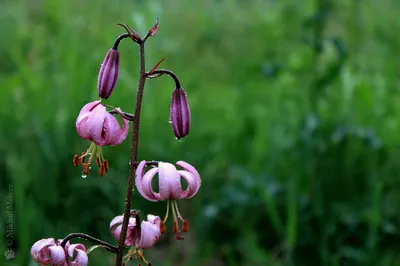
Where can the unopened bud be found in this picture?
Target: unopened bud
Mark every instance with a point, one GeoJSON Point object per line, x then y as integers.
{"type": "Point", "coordinates": [180, 113]}
{"type": "Point", "coordinates": [108, 74]}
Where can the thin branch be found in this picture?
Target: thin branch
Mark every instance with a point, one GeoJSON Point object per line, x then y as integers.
{"type": "Point", "coordinates": [106, 245]}
{"type": "Point", "coordinates": [160, 72]}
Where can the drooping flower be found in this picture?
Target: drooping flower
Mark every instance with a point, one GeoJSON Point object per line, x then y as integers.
{"type": "Point", "coordinates": [180, 113]}
{"type": "Point", "coordinates": [94, 123]}
{"type": "Point", "coordinates": [170, 188]}
{"type": "Point", "coordinates": [50, 252]}
{"type": "Point", "coordinates": [77, 255]}
{"type": "Point", "coordinates": [116, 226]}
{"type": "Point", "coordinates": [46, 251]}
{"type": "Point", "coordinates": [108, 74]}
{"type": "Point", "coordinates": [141, 237]}
{"type": "Point", "coordinates": [145, 238]}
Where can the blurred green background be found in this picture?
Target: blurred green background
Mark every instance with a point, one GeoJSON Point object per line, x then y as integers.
{"type": "Point", "coordinates": [295, 126]}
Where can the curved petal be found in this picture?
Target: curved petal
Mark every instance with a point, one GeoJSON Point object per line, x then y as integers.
{"type": "Point", "coordinates": [116, 221]}
{"type": "Point", "coordinates": [147, 189]}
{"type": "Point", "coordinates": [81, 122]}
{"type": "Point", "coordinates": [122, 132]}
{"type": "Point", "coordinates": [95, 122]}
{"type": "Point", "coordinates": [192, 185]}
{"type": "Point", "coordinates": [57, 255]}
{"type": "Point", "coordinates": [116, 226]}
{"type": "Point", "coordinates": [81, 258]}
{"type": "Point", "coordinates": [89, 107]}
{"type": "Point", "coordinates": [169, 181]}
{"type": "Point", "coordinates": [189, 168]}
{"type": "Point", "coordinates": [111, 128]}
{"type": "Point", "coordinates": [39, 250]}
{"type": "Point", "coordinates": [150, 234]}
{"type": "Point", "coordinates": [82, 127]}
{"type": "Point", "coordinates": [139, 176]}
{"type": "Point", "coordinates": [154, 219]}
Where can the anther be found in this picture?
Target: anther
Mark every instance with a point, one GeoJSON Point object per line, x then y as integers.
{"type": "Point", "coordinates": [106, 165]}
{"type": "Point", "coordinates": [98, 161]}
{"type": "Point", "coordinates": [185, 226]}
{"type": "Point", "coordinates": [162, 228]}
{"type": "Point", "coordinates": [75, 160]}
{"type": "Point", "coordinates": [176, 227]}
{"type": "Point", "coordinates": [101, 170]}
{"type": "Point", "coordinates": [86, 168]}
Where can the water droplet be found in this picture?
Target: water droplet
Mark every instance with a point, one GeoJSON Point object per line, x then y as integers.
{"type": "Point", "coordinates": [84, 176]}
{"type": "Point", "coordinates": [170, 121]}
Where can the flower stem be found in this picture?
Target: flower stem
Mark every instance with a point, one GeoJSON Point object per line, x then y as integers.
{"type": "Point", "coordinates": [106, 245]}
{"type": "Point", "coordinates": [132, 165]}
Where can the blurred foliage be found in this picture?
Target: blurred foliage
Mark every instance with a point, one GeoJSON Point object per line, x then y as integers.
{"type": "Point", "coordinates": [295, 126]}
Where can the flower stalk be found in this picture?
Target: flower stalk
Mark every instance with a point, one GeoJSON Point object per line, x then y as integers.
{"type": "Point", "coordinates": [134, 152]}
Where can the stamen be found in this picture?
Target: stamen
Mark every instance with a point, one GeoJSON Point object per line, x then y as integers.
{"type": "Point", "coordinates": [176, 228]}
{"type": "Point", "coordinates": [162, 228]}
{"type": "Point", "coordinates": [185, 226]}
{"type": "Point", "coordinates": [106, 165]}
{"type": "Point", "coordinates": [101, 170]}
{"type": "Point", "coordinates": [167, 213]}
{"type": "Point", "coordinates": [83, 157]}
{"type": "Point", "coordinates": [75, 160]}
{"type": "Point", "coordinates": [98, 161]}
{"type": "Point", "coordinates": [177, 211]}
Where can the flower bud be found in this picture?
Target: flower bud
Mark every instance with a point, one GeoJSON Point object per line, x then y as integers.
{"type": "Point", "coordinates": [108, 74]}
{"type": "Point", "coordinates": [180, 113]}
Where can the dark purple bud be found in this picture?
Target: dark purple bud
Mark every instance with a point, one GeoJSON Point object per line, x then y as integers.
{"type": "Point", "coordinates": [108, 75]}
{"type": "Point", "coordinates": [180, 113]}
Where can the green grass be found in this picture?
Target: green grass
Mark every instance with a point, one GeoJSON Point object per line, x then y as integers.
{"type": "Point", "coordinates": [297, 146]}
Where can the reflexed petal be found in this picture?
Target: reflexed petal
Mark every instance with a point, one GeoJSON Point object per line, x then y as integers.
{"type": "Point", "coordinates": [139, 176]}
{"type": "Point", "coordinates": [150, 233]}
{"type": "Point", "coordinates": [169, 181]}
{"type": "Point", "coordinates": [147, 189]}
{"type": "Point", "coordinates": [39, 250]}
{"type": "Point", "coordinates": [57, 255]}
{"type": "Point", "coordinates": [192, 185]}
{"type": "Point", "coordinates": [115, 134]}
{"type": "Point", "coordinates": [77, 255]}
{"type": "Point", "coordinates": [124, 131]}
{"type": "Point", "coordinates": [194, 173]}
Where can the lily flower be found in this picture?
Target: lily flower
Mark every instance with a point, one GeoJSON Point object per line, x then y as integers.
{"type": "Point", "coordinates": [50, 252]}
{"type": "Point", "coordinates": [170, 189]}
{"type": "Point", "coordinates": [94, 123]}
{"type": "Point", "coordinates": [46, 251]}
{"type": "Point", "coordinates": [140, 235]}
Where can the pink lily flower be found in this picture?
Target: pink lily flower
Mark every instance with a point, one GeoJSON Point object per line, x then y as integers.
{"type": "Point", "coordinates": [140, 237]}
{"type": "Point", "coordinates": [170, 188]}
{"type": "Point", "coordinates": [47, 251]}
{"type": "Point", "coordinates": [94, 123]}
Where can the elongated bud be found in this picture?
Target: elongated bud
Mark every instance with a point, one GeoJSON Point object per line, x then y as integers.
{"type": "Point", "coordinates": [108, 74]}
{"type": "Point", "coordinates": [180, 113]}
